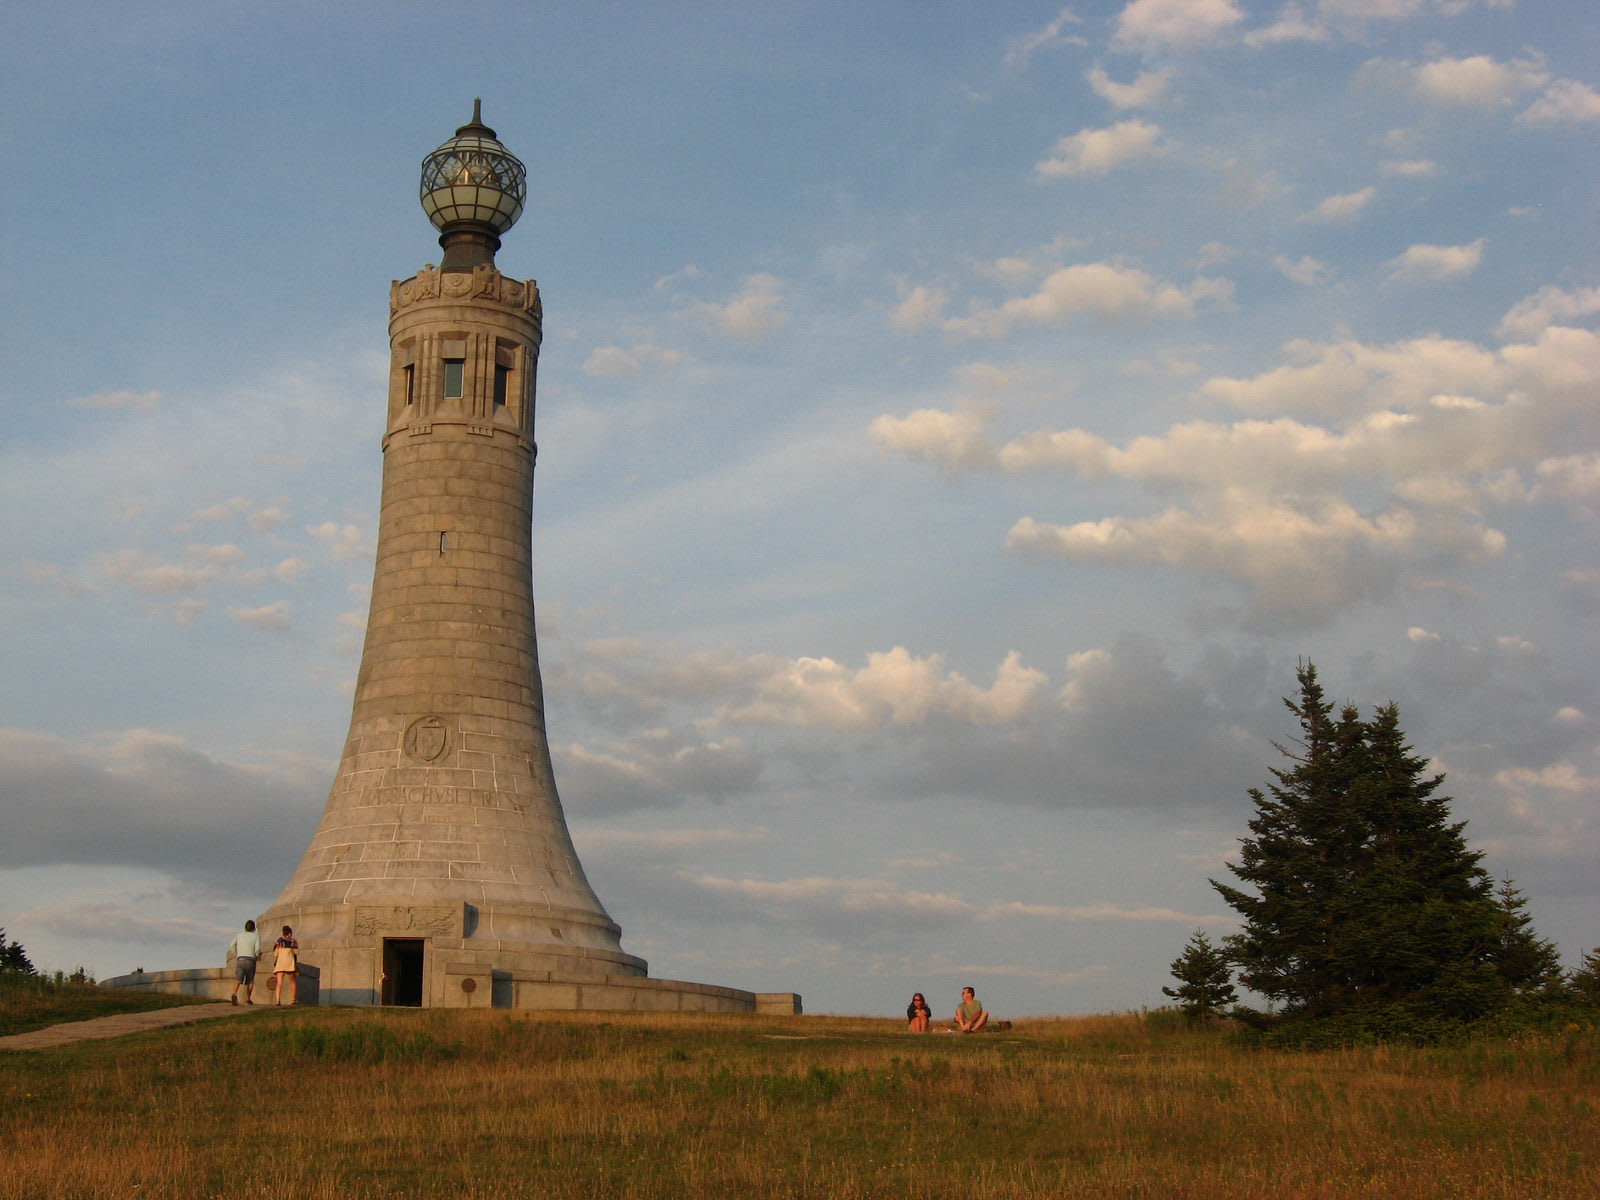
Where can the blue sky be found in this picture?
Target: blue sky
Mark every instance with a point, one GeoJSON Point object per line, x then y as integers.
{"type": "Point", "coordinates": [956, 421]}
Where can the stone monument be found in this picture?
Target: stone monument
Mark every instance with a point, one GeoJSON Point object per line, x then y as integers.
{"type": "Point", "coordinates": [442, 872]}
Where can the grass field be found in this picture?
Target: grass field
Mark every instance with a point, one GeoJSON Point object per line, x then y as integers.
{"type": "Point", "coordinates": [35, 1001]}
{"type": "Point", "coordinates": [391, 1103]}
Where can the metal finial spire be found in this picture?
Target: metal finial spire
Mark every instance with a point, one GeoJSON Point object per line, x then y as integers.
{"type": "Point", "coordinates": [475, 127]}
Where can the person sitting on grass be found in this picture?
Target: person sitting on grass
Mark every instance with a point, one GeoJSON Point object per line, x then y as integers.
{"type": "Point", "coordinates": [918, 1014]}
{"type": "Point", "coordinates": [970, 1015]}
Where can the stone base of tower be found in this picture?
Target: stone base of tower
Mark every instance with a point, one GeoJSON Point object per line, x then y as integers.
{"type": "Point", "coordinates": [465, 987]}
{"type": "Point", "coordinates": [458, 982]}
{"type": "Point", "coordinates": [400, 950]}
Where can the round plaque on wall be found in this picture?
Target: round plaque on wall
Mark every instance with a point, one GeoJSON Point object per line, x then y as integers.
{"type": "Point", "coordinates": [427, 739]}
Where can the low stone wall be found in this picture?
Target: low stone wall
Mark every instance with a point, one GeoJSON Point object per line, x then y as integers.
{"type": "Point", "coordinates": [623, 994]}
{"type": "Point", "coordinates": [471, 985]}
{"type": "Point", "coordinates": [215, 983]}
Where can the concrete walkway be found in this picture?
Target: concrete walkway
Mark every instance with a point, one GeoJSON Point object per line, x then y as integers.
{"type": "Point", "coordinates": [119, 1024]}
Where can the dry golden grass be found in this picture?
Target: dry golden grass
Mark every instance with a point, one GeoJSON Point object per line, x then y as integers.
{"type": "Point", "coordinates": [387, 1103]}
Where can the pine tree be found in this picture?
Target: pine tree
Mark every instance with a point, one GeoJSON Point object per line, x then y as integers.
{"type": "Point", "coordinates": [1206, 977]}
{"type": "Point", "coordinates": [1527, 962]}
{"type": "Point", "coordinates": [13, 957]}
{"type": "Point", "coordinates": [1585, 981]}
{"type": "Point", "coordinates": [1365, 892]}
{"type": "Point", "coordinates": [1300, 862]}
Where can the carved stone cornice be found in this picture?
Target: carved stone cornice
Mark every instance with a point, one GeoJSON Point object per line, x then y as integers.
{"type": "Point", "coordinates": [485, 283]}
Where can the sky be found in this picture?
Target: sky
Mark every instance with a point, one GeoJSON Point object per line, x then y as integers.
{"type": "Point", "coordinates": [956, 423]}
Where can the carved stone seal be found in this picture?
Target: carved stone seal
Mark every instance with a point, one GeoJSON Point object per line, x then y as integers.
{"type": "Point", "coordinates": [372, 919]}
{"type": "Point", "coordinates": [427, 739]}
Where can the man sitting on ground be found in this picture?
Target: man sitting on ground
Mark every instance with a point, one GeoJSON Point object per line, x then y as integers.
{"type": "Point", "coordinates": [970, 1015]}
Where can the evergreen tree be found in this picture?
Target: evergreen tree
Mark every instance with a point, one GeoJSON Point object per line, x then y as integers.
{"type": "Point", "coordinates": [1365, 892]}
{"type": "Point", "coordinates": [1585, 981]}
{"type": "Point", "coordinates": [13, 957]}
{"type": "Point", "coordinates": [1206, 978]}
{"type": "Point", "coordinates": [1299, 860]}
{"type": "Point", "coordinates": [1526, 961]}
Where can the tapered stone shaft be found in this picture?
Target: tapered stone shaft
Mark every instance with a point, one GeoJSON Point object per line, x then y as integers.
{"type": "Point", "coordinates": [443, 849]}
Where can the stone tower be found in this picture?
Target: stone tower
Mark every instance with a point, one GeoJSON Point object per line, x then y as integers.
{"type": "Point", "coordinates": [442, 871]}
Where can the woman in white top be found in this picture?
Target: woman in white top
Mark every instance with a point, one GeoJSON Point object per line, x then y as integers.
{"type": "Point", "coordinates": [285, 959]}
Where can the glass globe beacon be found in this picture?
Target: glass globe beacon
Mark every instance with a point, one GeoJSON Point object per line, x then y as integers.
{"type": "Point", "coordinates": [472, 179]}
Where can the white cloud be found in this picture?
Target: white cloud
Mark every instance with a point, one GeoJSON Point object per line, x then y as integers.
{"type": "Point", "coordinates": [953, 441]}
{"type": "Point", "coordinates": [52, 575]}
{"type": "Point", "coordinates": [1558, 777]}
{"type": "Point", "coordinates": [1292, 25]}
{"type": "Point", "coordinates": [1101, 290]}
{"type": "Point", "coordinates": [1532, 315]}
{"type": "Point", "coordinates": [267, 518]}
{"type": "Point", "coordinates": [754, 314]}
{"type": "Point", "coordinates": [1478, 81]}
{"type": "Point", "coordinates": [1566, 101]}
{"type": "Point", "coordinates": [262, 518]}
{"type": "Point", "coordinates": [821, 897]}
{"type": "Point", "coordinates": [1075, 913]}
{"type": "Point", "coordinates": [660, 768]}
{"type": "Point", "coordinates": [137, 401]}
{"type": "Point", "coordinates": [1306, 517]}
{"type": "Point", "coordinates": [1299, 562]}
{"type": "Point", "coordinates": [117, 920]}
{"type": "Point", "coordinates": [345, 541]}
{"type": "Point", "coordinates": [157, 579]}
{"type": "Point", "coordinates": [894, 688]}
{"type": "Point", "coordinates": [1011, 271]}
{"type": "Point", "coordinates": [1345, 206]}
{"type": "Point", "coordinates": [668, 282]}
{"type": "Point", "coordinates": [1411, 168]}
{"type": "Point", "coordinates": [1099, 151]}
{"type": "Point", "coordinates": [1050, 37]}
{"type": "Point", "coordinates": [1306, 271]}
{"type": "Point", "coordinates": [1332, 376]}
{"type": "Point", "coordinates": [922, 306]}
{"type": "Point", "coordinates": [272, 617]}
{"type": "Point", "coordinates": [1149, 25]}
{"type": "Point", "coordinates": [614, 362]}
{"type": "Point", "coordinates": [1575, 476]}
{"type": "Point", "coordinates": [1435, 263]}
{"type": "Point", "coordinates": [225, 555]}
{"type": "Point", "coordinates": [1361, 12]}
{"type": "Point", "coordinates": [990, 379]}
{"type": "Point", "coordinates": [1147, 90]}
{"type": "Point", "coordinates": [1244, 185]}
{"type": "Point", "coordinates": [656, 841]}
{"type": "Point", "coordinates": [933, 732]}
{"type": "Point", "coordinates": [289, 570]}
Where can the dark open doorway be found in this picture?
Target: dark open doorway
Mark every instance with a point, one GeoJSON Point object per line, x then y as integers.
{"type": "Point", "coordinates": [402, 971]}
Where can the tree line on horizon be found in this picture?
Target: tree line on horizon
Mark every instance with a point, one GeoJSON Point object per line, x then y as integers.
{"type": "Point", "coordinates": [1364, 912]}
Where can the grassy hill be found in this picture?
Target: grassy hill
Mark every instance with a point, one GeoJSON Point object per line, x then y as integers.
{"type": "Point", "coordinates": [341, 1103]}
{"type": "Point", "coordinates": [34, 1001]}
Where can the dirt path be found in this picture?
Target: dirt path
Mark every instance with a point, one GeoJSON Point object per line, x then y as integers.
{"type": "Point", "coordinates": [119, 1024]}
